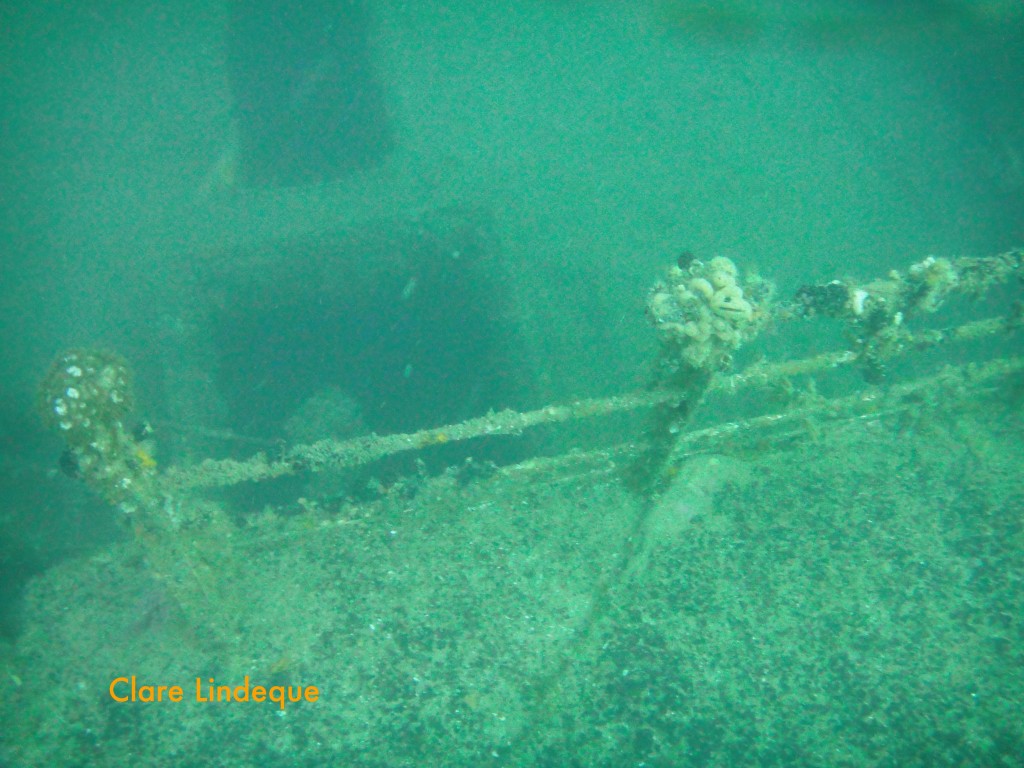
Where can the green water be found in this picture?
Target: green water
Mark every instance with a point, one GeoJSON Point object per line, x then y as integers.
{"type": "Point", "coordinates": [328, 219]}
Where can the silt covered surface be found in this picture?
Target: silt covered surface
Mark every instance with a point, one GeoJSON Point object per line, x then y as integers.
{"type": "Point", "coordinates": [854, 600]}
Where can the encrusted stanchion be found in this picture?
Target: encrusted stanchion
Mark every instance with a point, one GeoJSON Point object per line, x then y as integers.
{"type": "Point", "coordinates": [87, 396]}
{"type": "Point", "coordinates": [703, 313]}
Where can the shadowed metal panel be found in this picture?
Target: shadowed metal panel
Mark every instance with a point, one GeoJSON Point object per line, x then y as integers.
{"type": "Point", "coordinates": [308, 106]}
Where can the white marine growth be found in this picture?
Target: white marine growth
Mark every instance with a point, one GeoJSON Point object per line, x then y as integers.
{"type": "Point", "coordinates": [704, 312]}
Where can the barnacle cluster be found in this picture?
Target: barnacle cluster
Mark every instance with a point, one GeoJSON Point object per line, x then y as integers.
{"type": "Point", "coordinates": [87, 397]}
{"type": "Point", "coordinates": [879, 309]}
{"type": "Point", "coordinates": [929, 282]}
{"type": "Point", "coordinates": [703, 312]}
{"type": "Point", "coordinates": [922, 289]}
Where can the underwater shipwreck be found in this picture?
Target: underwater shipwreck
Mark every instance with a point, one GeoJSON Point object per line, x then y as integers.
{"type": "Point", "coordinates": [781, 553]}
